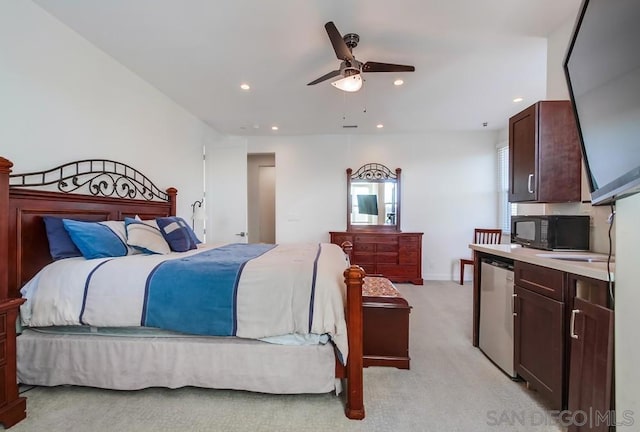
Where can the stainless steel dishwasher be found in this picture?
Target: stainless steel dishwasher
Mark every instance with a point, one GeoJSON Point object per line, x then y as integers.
{"type": "Point", "coordinates": [496, 314]}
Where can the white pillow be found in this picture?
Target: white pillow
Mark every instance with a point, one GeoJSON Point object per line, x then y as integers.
{"type": "Point", "coordinates": [146, 235]}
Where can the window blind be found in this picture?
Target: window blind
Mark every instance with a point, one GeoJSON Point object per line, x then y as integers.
{"type": "Point", "coordinates": [505, 209]}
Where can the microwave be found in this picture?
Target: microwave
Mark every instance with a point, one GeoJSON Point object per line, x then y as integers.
{"type": "Point", "coordinates": [551, 232]}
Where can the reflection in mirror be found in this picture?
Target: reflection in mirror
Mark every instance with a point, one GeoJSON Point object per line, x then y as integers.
{"type": "Point", "coordinates": [373, 198]}
{"type": "Point", "coordinates": [373, 203]}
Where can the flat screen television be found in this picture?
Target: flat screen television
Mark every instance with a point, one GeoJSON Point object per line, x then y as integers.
{"type": "Point", "coordinates": [602, 68]}
{"type": "Point", "coordinates": [368, 204]}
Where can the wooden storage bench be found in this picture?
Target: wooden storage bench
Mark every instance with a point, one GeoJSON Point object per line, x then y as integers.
{"type": "Point", "coordinates": [386, 324]}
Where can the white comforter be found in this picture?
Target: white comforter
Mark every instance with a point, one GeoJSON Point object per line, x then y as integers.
{"type": "Point", "coordinates": [273, 294]}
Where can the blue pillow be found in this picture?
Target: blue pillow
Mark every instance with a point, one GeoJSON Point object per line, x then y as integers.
{"type": "Point", "coordinates": [177, 233]}
{"type": "Point", "coordinates": [96, 239]}
{"type": "Point", "coordinates": [60, 244]}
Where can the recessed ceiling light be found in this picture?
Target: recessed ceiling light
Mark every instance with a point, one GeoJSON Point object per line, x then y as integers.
{"type": "Point", "coordinates": [380, 126]}
{"type": "Point", "coordinates": [398, 82]}
{"type": "Point", "coordinates": [245, 86]}
{"type": "Point", "coordinates": [518, 99]}
{"type": "Point", "coordinates": [274, 128]}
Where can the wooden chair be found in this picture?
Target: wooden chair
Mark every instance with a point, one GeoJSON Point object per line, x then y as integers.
{"type": "Point", "coordinates": [480, 236]}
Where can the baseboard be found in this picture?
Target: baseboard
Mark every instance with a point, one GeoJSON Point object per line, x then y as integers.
{"type": "Point", "coordinates": [438, 277]}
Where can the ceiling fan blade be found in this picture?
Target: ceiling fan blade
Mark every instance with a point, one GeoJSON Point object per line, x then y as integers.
{"type": "Point", "coordinates": [339, 46]}
{"type": "Point", "coordinates": [325, 77]}
{"type": "Point", "coordinates": [386, 67]}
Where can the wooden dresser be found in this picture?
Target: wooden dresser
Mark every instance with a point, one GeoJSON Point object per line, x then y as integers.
{"type": "Point", "coordinates": [13, 407]}
{"type": "Point", "coordinates": [394, 255]}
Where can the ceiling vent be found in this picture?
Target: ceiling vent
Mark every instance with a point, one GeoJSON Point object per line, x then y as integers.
{"type": "Point", "coordinates": [349, 126]}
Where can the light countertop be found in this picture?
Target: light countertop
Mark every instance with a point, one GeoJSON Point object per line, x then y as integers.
{"type": "Point", "coordinates": [596, 268]}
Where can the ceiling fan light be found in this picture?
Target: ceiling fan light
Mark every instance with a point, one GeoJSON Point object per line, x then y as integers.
{"type": "Point", "coordinates": [351, 83]}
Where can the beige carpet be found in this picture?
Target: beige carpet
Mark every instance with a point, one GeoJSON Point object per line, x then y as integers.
{"type": "Point", "coordinates": [451, 387]}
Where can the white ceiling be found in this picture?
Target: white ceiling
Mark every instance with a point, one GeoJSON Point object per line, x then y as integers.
{"type": "Point", "coordinates": [472, 59]}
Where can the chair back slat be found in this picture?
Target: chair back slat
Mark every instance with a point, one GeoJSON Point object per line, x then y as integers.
{"type": "Point", "coordinates": [487, 236]}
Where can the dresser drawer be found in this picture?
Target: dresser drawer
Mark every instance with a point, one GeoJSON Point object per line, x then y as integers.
{"type": "Point", "coordinates": [393, 239]}
{"type": "Point", "coordinates": [387, 258]}
{"type": "Point", "coordinates": [364, 247]}
{"type": "Point", "coordinates": [399, 271]}
{"type": "Point", "coordinates": [406, 257]}
{"type": "Point", "coordinates": [542, 280]}
{"type": "Point", "coordinates": [409, 247]}
{"type": "Point", "coordinates": [360, 258]}
{"type": "Point", "coordinates": [387, 247]}
{"type": "Point", "coordinates": [341, 238]}
{"type": "Point", "coordinates": [409, 240]}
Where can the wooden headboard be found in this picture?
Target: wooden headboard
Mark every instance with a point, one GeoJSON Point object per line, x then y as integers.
{"type": "Point", "coordinates": [94, 190]}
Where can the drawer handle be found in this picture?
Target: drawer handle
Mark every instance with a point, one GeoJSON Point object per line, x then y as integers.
{"type": "Point", "coordinates": [530, 183]}
{"type": "Point", "coordinates": [513, 304]}
{"type": "Point", "coordinates": [572, 326]}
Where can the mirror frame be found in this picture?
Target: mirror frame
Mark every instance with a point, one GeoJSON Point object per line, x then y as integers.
{"type": "Point", "coordinates": [373, 173]}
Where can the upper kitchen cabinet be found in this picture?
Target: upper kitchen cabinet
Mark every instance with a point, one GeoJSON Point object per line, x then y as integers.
{"type": "Point", "coordinates": [544, 154]}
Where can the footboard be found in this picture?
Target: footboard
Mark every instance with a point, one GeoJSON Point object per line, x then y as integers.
{"type": "Point", "coordinates": [353, 277]}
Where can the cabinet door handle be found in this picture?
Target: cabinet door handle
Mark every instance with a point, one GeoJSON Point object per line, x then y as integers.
{"type": "Point", "coordinates": [513, 304]}
{"type": "Point", "coordinates": [572, 326]}
{"type": "Point", "coordinates": [530, 183]}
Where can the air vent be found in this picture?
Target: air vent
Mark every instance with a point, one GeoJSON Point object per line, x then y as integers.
{"type": "Point", "coordinates": [349, 126]}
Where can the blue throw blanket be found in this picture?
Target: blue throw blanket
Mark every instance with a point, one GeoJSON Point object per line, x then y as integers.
{"type": "Point", "coordinates": [206, 301]}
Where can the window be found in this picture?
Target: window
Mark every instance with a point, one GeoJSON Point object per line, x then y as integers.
{"type": "Point", "coordinates": [505, 209]}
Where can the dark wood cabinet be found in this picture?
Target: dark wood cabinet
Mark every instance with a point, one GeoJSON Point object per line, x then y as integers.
{"type": "Point", "coordinates": [13, 408]}
{"type": "Point", "coordinates": [539, 330]}
{"type": "Point", "coordinates": [591, 355]}
{"type": "Point", "coordinates": [563, 340]}
{"type": "Point", "coordinates": [394, 255]}
{"type": "Point", "coordinates": [544, 154]}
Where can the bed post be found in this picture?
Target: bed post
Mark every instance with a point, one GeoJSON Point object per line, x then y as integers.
{"type": "Point", "coordinates": [353, 277]}
{"type": "Point", "coordinates": [5, 170]}
{"type": "Point", "coordinates": [172, 192]}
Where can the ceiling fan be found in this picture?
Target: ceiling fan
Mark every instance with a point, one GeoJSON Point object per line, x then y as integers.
{"type": "Point", "coordinates": [350, 68]}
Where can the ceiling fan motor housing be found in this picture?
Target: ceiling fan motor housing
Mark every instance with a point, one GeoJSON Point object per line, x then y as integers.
{"type": "Point", "coordinates": [351, 39]}
{"type": "Point", "coordinates": [349, 71]}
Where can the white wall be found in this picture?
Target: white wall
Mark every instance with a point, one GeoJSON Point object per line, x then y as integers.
{"type": "Point", "coordinates": [449, 185]}
{"type": "Point", "coordinates": [62, 99]}
{"type": "Point", "coordinates": [557, 44]}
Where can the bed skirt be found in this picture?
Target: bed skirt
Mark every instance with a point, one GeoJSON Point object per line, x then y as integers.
{"type": "Point", "coordinates": [132, 363]}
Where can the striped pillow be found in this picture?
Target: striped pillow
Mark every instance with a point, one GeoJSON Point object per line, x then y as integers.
{"type": "Point", "coordinates": [146, 236]}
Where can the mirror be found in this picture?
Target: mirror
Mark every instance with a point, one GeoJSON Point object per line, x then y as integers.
{"type": "Point", "coordinates": [373, 198]}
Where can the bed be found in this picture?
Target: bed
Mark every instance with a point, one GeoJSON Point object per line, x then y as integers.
{"type": "Point", "coordinates": [99, 352]}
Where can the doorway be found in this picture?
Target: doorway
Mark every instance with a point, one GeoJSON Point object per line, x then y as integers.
{"type": "Point", "coordinates": [261, 197]}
